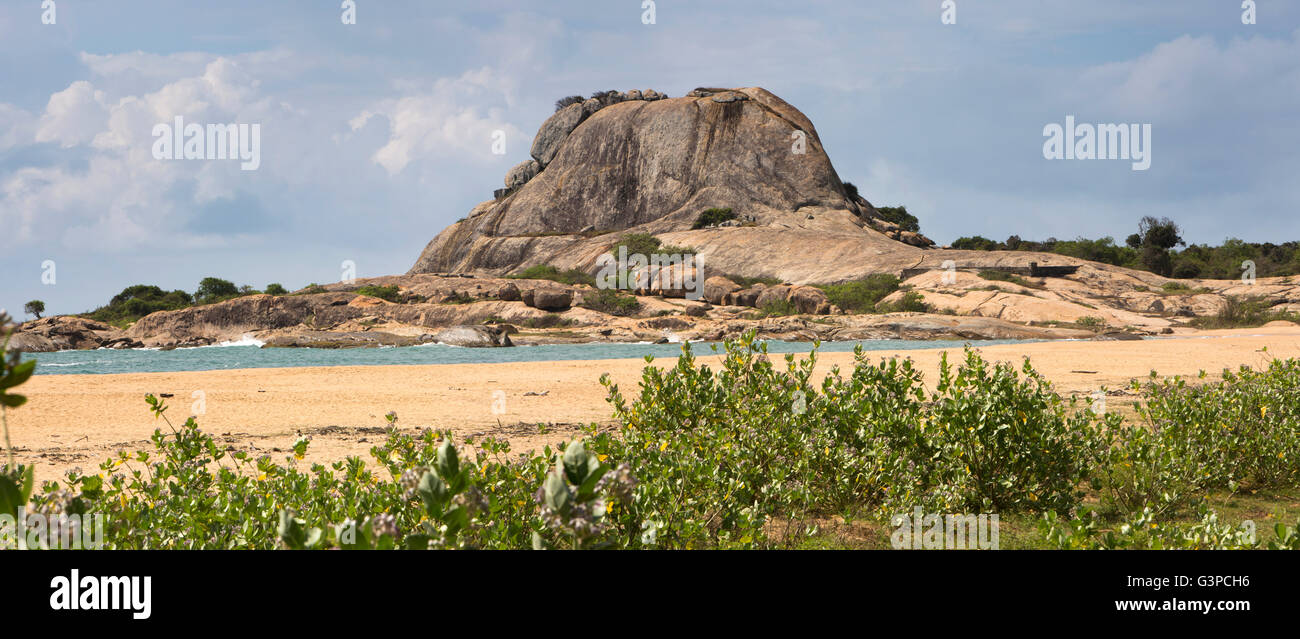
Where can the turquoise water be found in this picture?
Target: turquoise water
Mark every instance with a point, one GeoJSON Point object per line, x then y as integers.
{"type": "Point", "coordinates": [208, 358]}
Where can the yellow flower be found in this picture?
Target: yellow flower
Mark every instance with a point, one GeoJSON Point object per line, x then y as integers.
{"type": "Point", "coordinates": [261, 477]}
{"type": "Point", "coordinates": [663, 446]}
{"type": "Point", "coordinates": [1263, 410]}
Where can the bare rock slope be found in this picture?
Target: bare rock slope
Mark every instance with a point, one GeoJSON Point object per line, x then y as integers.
{"type": "Point", "coordinates": [653, 166]}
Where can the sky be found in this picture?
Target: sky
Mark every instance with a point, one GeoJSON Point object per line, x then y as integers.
{"type": "Point", "coordinates": [375, 136]}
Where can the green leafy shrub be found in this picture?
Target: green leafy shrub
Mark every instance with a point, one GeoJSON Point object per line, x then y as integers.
{"type": "Point", "coordinates": [646, 244]}
{"type": "Point", "coordinates": [899, 215]}
{"type": "Point", "coordinates": [777, 308]}
{"type": "Point", "coordinates": [911, 302]}
{"type": "Point", "coordinates": [1244, 313]}
{"type": "Point", "coordinates": [276, 288]}
{"type": "Point", "coordinates": [713, 217]}
{"type": "Point", "coordinates": [861, 296]}
{"type": "Point", "coordinates": [387, 293]}
{"type": "Point", "coordinates": [612, 302]}
{"type": "Point", "coordinates": [137, 301]}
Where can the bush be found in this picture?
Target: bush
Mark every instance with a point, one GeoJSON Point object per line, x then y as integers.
{"type": "Point", "coordinates": [213, 289]}
{"type": "Point", "coordinates": [713, 217]}
{"type": "Point", "coordinates": [137, 301]}
{"type": "Point", "coordinates": [566, 101]}
{"type": "Point", "coordinates": [548, 272]}
{"type": "Point", "coordinates": [387, 293]}
{"type": "Point", "coordinates": [612, 302]}
{"type": "Point", "coordinates": [751, 455]}
{"type": "Point", "coordinates": [1243, 313]}
{"type": "Point", "coordinates": [976, 243]}
{"type": "Point", "coordinates": [912, 302]}
{"type": "Point", "coordinates": [778, 308]}
{"type": "Point", "coordinates": [1243, 431]}
{"type": "Point", "coordinates": [276, 289]}
{"type": "Point", "coordinates": [861, 296]}
{"type": "Point", "coordinates": [899, 215]}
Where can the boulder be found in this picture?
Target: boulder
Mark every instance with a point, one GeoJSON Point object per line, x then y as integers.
{"type": "Point", "coordinates": [778, 293]}
{"type": "Point", "coordinates": [522, 173]}
{"type": "Point", "coordinates": [551, 299]}
{"type": "Point", "coordinates": [553, 133]}
{"type": "Point", "coordinates": [717, 289]}
{"type": "Point", "coordinates": [472, 336]}
{"type": "Point", "coordinates": [749, 296]}
{"type": "Point", "coordinates": [509, 293]}
{"type": "Point", "coordinates": [810, 299]}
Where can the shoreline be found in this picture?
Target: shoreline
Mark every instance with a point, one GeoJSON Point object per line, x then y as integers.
{"type": "Point", "coordinates": [79, 420]}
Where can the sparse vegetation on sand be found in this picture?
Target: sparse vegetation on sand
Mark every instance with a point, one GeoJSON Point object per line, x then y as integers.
{"type": "Point", "coordinates": [1248, 312]}
{"type": "Point", "coordinates": [753, 454]}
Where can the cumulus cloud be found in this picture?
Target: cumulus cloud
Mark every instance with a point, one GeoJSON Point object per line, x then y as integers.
{"type": "Point", "coordinates": [443, 122]}
{"type": "Point", "coordinates": [73, 115]}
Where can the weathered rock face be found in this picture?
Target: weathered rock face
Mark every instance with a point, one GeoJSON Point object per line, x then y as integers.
{"type": "Point", "coordinates": [522, 173]}
{"type": "Point", "coordinates": [717, 290]}
{"type": "Point", "coordinates": [653, 166]}
{"type": "Point", "coordinates": [553, 133]}
{"type": "Point", "coordinates": [66, 332]}
{"type": "Point", "coordinates": [472, 336]}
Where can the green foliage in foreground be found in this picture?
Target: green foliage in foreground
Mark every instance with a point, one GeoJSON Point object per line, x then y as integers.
{"type": "Point", "coordinates": [751, 455]}
{"type": "Point", "coordinates": [548, 272]}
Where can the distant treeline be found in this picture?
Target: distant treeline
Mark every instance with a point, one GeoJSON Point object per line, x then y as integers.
{"type": "Point", "coordinates": [139, 300]}
{"type": "Point", "coordinates": [1153, 248]}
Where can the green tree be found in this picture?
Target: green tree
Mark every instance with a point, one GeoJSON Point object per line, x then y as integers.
{"type": "Point", "coordinates": [275, 288]}
{"type": "Point", "coordinates": [212, 289]}
{"type": "Point", "coordinates": [34, 307]}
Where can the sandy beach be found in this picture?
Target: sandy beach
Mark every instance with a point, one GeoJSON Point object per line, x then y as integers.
{"type": "Point", "coordinates": [80, 420]}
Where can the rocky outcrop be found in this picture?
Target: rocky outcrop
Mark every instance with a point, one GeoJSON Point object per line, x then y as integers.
{"type": "Point", "coordinates": [653, 166]}
{"type": "Point", "coordinates": [553, 133]}
{"type": "Point", "coordinates": [550, 299]}
{"type": "Point", "coordinates": [470, 336]}
{"type": "Point", "coordinates": [718, 290]}
{"type": "Point", "coordinates": [68, 332]}
{"type": "Point", "coordinates": [522, 173]}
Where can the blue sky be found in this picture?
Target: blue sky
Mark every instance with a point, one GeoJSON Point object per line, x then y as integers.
{"type": "Point", "coordinates": [377, 135]}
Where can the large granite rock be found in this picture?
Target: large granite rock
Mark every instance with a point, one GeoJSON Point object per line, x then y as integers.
{"type": "Point", "coordinates": [718, 290]}
{"type": "Point", "coordinates": [653, 166]}
{"type": "Point", "coordinates": [472, 336]}
{"type": "Point", "coordinates": [553, 133]}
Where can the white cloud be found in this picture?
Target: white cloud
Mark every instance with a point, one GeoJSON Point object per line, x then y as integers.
{"type": "Point", "coordinates": [17, 127]}
{"type": "Point", "coordinates": [439, 125]}
{"type": "Point", "coordinates": [73, 116]}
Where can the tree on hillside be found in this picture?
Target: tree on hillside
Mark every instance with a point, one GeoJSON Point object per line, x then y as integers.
{"type": "Point", "coordinates": [1156, 237]}
{"type": "Point", "coordinates": [275, 288]}
{"type": "Point", "coordinates": [34, 307]}
{"type": "Point", "coordinates": [212, 289]}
